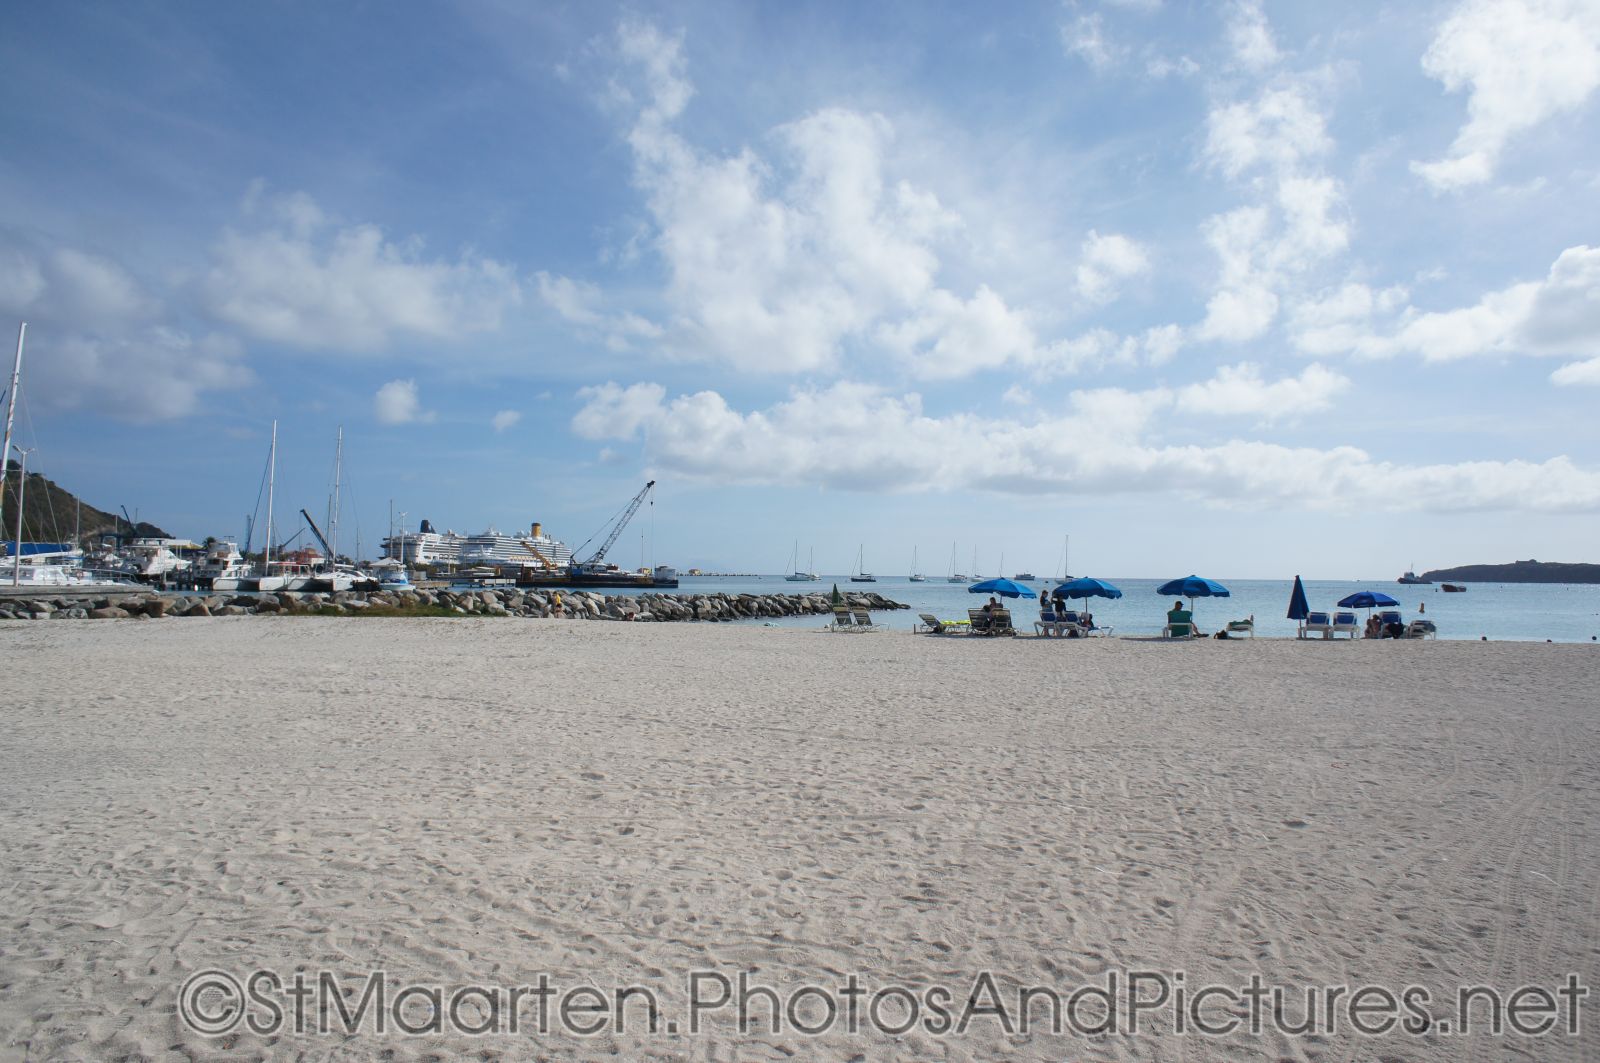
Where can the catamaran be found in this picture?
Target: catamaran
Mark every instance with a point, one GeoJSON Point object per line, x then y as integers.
{"type": "Point", "coordinates": [797, 576]}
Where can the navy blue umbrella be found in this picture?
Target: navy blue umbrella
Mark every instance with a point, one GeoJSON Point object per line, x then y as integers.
{"type": "Point", "coordinates": [1367, 600]}
{"type": "Point", "coordinates": [1299, 608]}
{"type": "Point", "coordinates": [1004, 587]}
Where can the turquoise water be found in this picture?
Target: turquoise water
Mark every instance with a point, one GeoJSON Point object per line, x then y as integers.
{"type": "Point", "coordinates": [1521, 611]}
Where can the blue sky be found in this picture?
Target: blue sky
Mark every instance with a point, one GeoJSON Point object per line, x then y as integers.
{"type": "Point", "coordinates": [1240, 288]}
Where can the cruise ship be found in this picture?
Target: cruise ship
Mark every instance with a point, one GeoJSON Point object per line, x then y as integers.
{"type": "Point", "coordinates": [427, 546]}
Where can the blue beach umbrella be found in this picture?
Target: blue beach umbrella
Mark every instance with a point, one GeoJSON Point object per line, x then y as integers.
{"type": "Point", "coordinates": [1087, 587]}
{"type": "Point", "coordinates": [1367, 600]}
{"type": "Point", "coordinates": [1299, 608]}
{"type": "Point", "coordinates": [1004, 587]}
{"type": "Point", "coordinates": [1192, 587]}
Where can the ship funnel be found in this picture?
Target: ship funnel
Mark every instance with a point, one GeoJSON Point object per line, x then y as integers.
{"type": "Point", "coordinates": [537, 529]}
{"type": "Point", "coordinates": [427, 527]}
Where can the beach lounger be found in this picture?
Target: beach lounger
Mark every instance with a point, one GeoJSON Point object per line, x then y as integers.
{"type": "Point", "coordinates": [1000, 623]}
{"type": "Point", "coordinates": [1347, 624]}
{"type": "Point", "coordinates": [863, 620]}
{"type": "Point", "coordinates": [933, 625]}
{"type": "Point", "coordinates": [842, 620]}
{"type": "Point", "coordinates": [1421, 629]}
{"type": "Point", "coordinates": [1072, 626]}
{"type": "Point", "coordinates": [978, 622]}
{"type": "Point", "coordinates": [1181, 628]}
{"type": "Point", "coordinates": [1242, 627]}
{"type": "Point", "coordinates": [1394, 626]}
{"type": "Point", "coordinates": [1316, 624]}
{"type": "Point", "coordinates": [1047, 624]}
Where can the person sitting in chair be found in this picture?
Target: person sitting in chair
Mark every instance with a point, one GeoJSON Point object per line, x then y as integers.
{"type": "Point", "coordinates": [1179, 615]}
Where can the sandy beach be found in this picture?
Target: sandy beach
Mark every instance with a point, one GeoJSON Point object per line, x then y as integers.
{"type": "Point", "coordinates": [485, 802]}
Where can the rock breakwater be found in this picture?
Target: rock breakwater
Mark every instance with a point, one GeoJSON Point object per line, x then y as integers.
{"type": "Point", "coordinates": [572, 605]}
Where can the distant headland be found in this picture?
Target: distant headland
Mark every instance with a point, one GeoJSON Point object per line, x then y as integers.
{"type": "Point", "coordinates": [1518, 572]}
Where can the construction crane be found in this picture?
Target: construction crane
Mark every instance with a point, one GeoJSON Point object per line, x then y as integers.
{"type": "Point", "coordinates": [596, 561]}
{"type": "Point", "coordinates": [326, 549]}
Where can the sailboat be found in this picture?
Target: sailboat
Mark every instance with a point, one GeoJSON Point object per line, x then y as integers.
{"type": "Point", "coordinates": [54, 565]}
{"type": "Point", "coordinates": [328, 575]}
{"type": "Point", "coordinates": [260, 577]}
{"type": "Point", "coordinates": [954, 577]}
{"type": "Point", "coordinates": [916, 577]}
{"type": "Point", "coordinates": [861, 575]}
{"type": "Point", "coordinates": [975, 578]}
{"type": "Point", "coordinates": [797, 576]}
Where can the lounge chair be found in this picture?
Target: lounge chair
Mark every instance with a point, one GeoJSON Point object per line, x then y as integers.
{"type": "Point", "coordinates": [1346, 623]}
{"type": "Point", "coordinates": [978, 622]}
{"type": "Point", "coordinates": [1316, 624]}
{"type": "Point", "coordinates": [1392, 625]}
{"type": "Point", "coordinates": [1421, 629]}
{"type": "Point", "coordinates": [1000, 623]}
{"type": "Point", "coordinates": [1048, 624]}
{"type": "Point", "coordinates": [1181, 626]}
{"type": "Point", "coordinates": [1242, 627]}
{"type": "Point", "coordinates": [841, 619]}
{"type": "Point", "coordinates": [863, 620]}
{"type": "Point", "coordinates": [933, 625]}
{"type": "Point", "coordinates": [1072, 626]}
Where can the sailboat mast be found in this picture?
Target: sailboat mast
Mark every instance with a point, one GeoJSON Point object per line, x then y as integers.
{"type": "Point", "coordinates": [11, 413]}
{"type": "Point", "coordinates": [333, 517]}
{"type": "Point", "coordinates": [22, 485]}
{"type": "Point", "coordinates": [272, 475]}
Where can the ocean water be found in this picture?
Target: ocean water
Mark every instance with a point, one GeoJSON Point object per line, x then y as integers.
{"type": "Point", "coordinates": [1517, 611]}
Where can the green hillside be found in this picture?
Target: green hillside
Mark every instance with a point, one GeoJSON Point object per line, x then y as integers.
{"type": "Point", "coordinates": [1518, 572]}
{"type": "Point", "coordinates": [52, 513]}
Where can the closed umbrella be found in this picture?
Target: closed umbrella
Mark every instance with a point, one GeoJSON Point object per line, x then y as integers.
{"type": "Point", "coordinates": [1299, 608]}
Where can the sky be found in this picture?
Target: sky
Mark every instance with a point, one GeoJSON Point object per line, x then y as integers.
{"type": "Point", "coordinates": [1240, 288]}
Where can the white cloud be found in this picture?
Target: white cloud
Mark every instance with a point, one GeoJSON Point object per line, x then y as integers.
{"type": "Point", "coordinates": [581, 304]}
{"type": "Point", "coordinates": [1578, 373]}
{"type": "Point", "coordinates": [397, 402]}
{"type": "Point", "coordinates": [1085, 38]}
{"type": "Point", "coordinates": [1240, 389]}
{"type": "Point", "coordinates": [1559, 315]}
{"type": "Point", "coordinates": [505, 419]}
{"type": "Point", "coordinates": [1522, 62]}
{"type": "Point", "coordinates": [1106, 262]}
{"type": "Point", "coordinates": [1280, 130]}
{"type": "Point", "coordinates": [1275, 142]}
{"type": "Point", "coordinates": [783, 262]}
{"type": "Point", "coordinates": [142, 375]}
{"type": "Point", "coordinates": [303, 281]}
{"type": "Point", "coordinates": [855, 437]}
{"type": "Point", "coordinates": [100, 340]}
{"type": "Point", "coordinates": [1249, 36]}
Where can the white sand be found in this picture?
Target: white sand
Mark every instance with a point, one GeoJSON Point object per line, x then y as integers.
{"type": "Point", "coordinates": [484, 800]}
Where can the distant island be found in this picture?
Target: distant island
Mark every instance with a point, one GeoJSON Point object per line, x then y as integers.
{"type": "Point", "coordinates": [1518, 572]}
